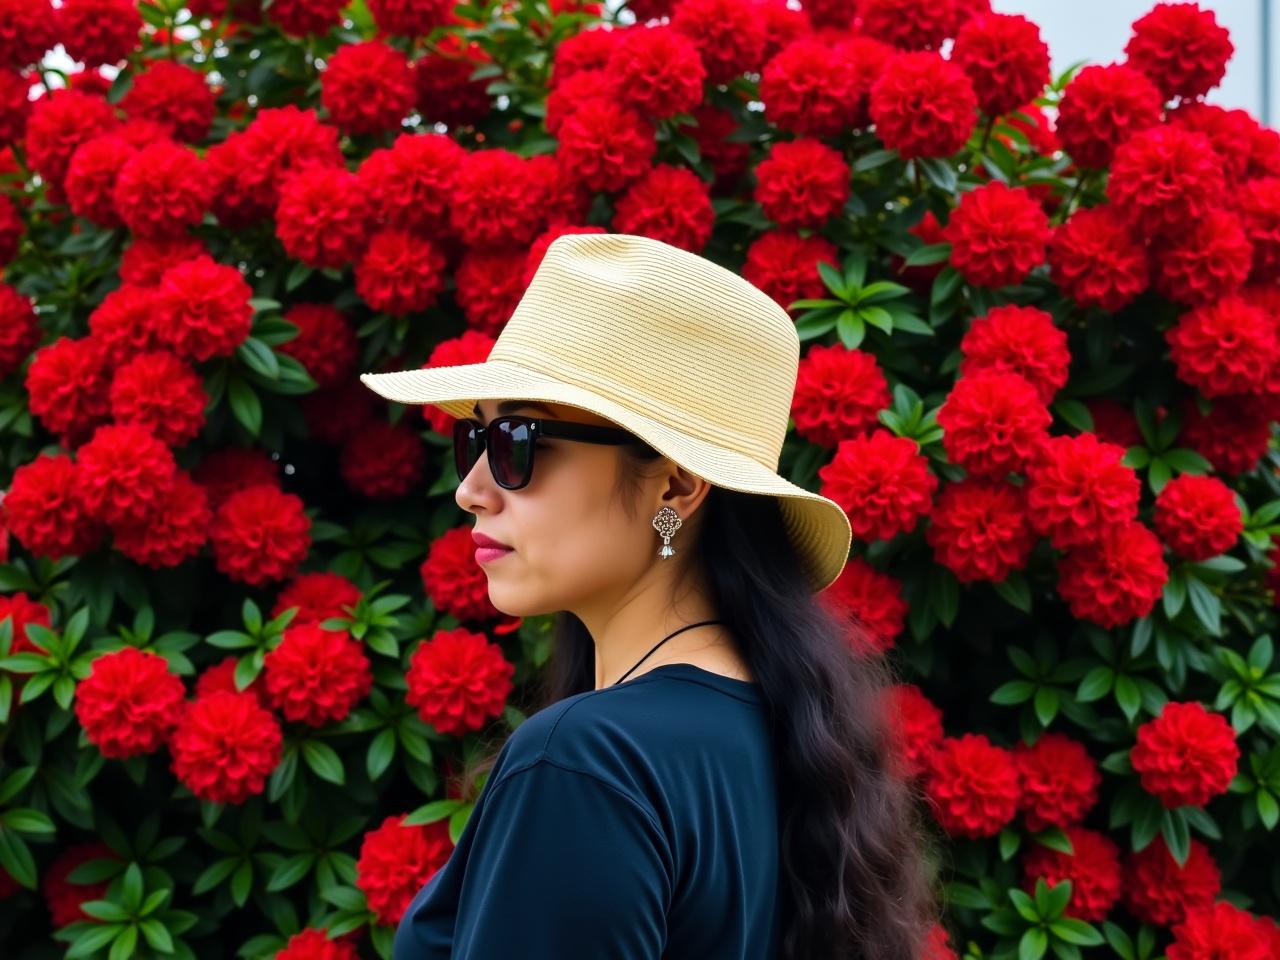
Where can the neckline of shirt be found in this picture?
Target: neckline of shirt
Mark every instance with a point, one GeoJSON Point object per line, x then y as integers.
{"type": "Point", "coordinates": [742, 689]}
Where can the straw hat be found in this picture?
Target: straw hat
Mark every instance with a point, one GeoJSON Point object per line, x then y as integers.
{"type": "Point", "coordinates": [685, 354]}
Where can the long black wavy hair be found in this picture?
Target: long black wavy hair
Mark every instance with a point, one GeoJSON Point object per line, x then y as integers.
{"type": "Point", "coordinates": [857, 864]}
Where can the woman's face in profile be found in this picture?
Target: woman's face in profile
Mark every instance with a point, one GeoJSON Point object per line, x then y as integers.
{"type": "Point", "coordinates": [570, 538]}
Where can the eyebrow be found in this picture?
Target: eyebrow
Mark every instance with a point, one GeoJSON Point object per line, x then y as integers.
{"type": "Point", "coordinates": [507, 406]}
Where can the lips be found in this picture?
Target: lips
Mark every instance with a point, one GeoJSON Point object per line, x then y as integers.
{"type": "Point", "coordinates": [481, 540]}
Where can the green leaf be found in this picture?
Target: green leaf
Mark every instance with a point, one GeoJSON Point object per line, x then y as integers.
{"type": "Point", "coordinates": [851, 329]}
{"type": "Point", "coordinates": [1074, 413]}
{"type": "Point", "coordinates": [1177, 835]}
{"type": "Point", "coordinates": [16, 859]}
{"type": "Point", "coordinates": [928, 254]}
{"type": "Point", "coordinates": [1268, 809]}
{"type": "Point", "coordinates": [322, 759]}
{"type": "Point", "coordinates": [382, 751]}
{"type": "Point", "coordinates": [1033, 944]}
{"type": "Point", "coordinates": [1076, 931]}
{"type": "Point", "coordinates": [1175, 594]}
{"type": "Point", "coordinates": [1015, 591]}
{"type": "Point", "coordinates": [833, 279]}
{"type": "Point", "coordinates": [259, 357]}
{"type": "Point", "coordinates": [245, 405]}
{"type": "Point", "coordinates": [1010, 841]}
{"type": "Point", "coordinates": [1206, 604]}
{"type": "Point", "coordinates": [1013, 692]}
{"type": "Point", "coordinates": [1096, 684]}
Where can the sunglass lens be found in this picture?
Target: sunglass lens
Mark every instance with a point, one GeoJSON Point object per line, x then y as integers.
{"type": "Point", "coordinates": [511, 448]}
{"type": "Point", "coordinates": [466, 447]}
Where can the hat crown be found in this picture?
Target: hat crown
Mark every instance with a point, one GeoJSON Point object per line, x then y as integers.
{"type": "Point", "coordinates": [663, 332]}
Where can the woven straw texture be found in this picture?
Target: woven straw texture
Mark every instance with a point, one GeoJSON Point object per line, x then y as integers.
{"type": "Point", "coordinates": [687, 355]}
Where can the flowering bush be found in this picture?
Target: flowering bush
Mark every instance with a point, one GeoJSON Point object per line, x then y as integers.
{"type": "Point", "coordinates": [245, 651]}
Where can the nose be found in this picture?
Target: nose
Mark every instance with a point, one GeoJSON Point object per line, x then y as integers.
{"type": "Point", "coordinates": [478, 490]}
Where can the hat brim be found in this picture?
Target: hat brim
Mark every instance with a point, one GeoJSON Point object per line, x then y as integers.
{"type": "Point", "coordinates": [818, 526]}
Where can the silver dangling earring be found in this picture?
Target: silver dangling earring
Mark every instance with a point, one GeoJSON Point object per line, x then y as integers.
{"type": "Point", "coordinates": [666, 521]}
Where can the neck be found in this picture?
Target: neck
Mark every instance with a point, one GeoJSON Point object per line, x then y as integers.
{"type": "Point", "coordinates": [625, 631]}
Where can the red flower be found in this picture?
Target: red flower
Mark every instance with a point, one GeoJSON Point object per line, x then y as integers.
{"type": "Point", "coordinates": [839, 394]}
{"type": "Point", "coordinates": [915, 726]}
{"type": "Point", "coordinates": [998, 234]}
{"type": "Point", "coordinates": [122, 325]}
{"type": "Point", "coordinates": [61, 895]}
{"type": "Point", "coordinates": [907, 24]}
{"type": "Point", "coordinates": [174, 530]}
{"type": "Point", "coordinates": [1157, 890]}
{"type": "Point", "coordinates": [936, 944]}
{"type": "Point", "coordinates": [313, 944]}
{"type": "Point", "coordinates": [400, 272]}
{"type": "Point", "coordinates": [972, 786]}
{"type": "Point", "coordinates": [367, 87]}
{"type": "Point", "coordinates": [91, 178]}
{"type": "Point", "coordinates": [1220, 929]}
{"type": "Point", "coordinates": [1059, 781]}
{"type": "Point", "coordinates": [572, 92]}
{"type": "Point", "coordinates": [59, 123]}
{"type": "Point", "coordinates": [978, 530]}
{"type": "Point", "coordinates": [1005, 59]}
{"type": "Point", "coordinates": [301, 17]}
{"type": "Point", "coordinates": [146, 259]}
{"type": "Point", "coordinates": [11, 230]}
{"type": "Point", "coordinates": [44, 511]}
{"type": "Point", "coordinates": [802, 183]}
{"type": "Point", "coordinates": [729, 35]}
{"type": "Point", "coordinates": [202, 309]}
{"type": "Point", "coordinates": [1096, 261]}
{"type": "Point", "coordinates": [158, 391]}
{"type": "Point", "coordinates": [222, 677]}
{"type": "Point", "coordinates": [993, 422]}
{"type": "Point", "coordinates": [1186, 755]}
{"type": "Point", "coordinates": [315, 676]}
{"type": "Point", "coordinates": [496, 201]}
{"type": "Point", "coordinates": [1180, 47]}
{"type": "Point", "coordinates": [396, 861]}
{"type": "Point", "coordinates": [785, 265]}
{"type": "Point", "coordinates": [446, 92]}
{"type": "Point", "coordinates": [174, 95]}
{"type": "Point", "coordinates": [225, 746]}
{"type": "Point", "coordinates": [657, 70]}
{"type": "Point", "coordinates": [15, 106]}
{"type": "Point", "coordinates": [809, 89]}
{"type": "Point", "coordinates": [1101, 108]}
{"type": "Point", "coordinates": [1165, 178]}
{"type": "Point", "coordinates": [1233, 436]}
{"type": "Point", "coordinates": [923, 106]}
{"type": "Point", "coordinates": [318, 596]}
{"type": "Point", "coordinates": [122, 472]}
{"type": "Point", "coordinates": [1259, 201]}
{"type": "Point", "coordinates": [471, 346]}
{"type": "Point", "coordinates": [19, 330]}
{"type": "Point", "coordinates": [605, 144]}
{"type": "Point", "coordinates": [66, 387]}
{"type": "Point", "coordinates": [1198, 517]}
{"type": "Point", "coordinates": [1093, 867]}
{"type": "Point", "coordinates": [161, 190]}
{"type": "Point", "coordinates": [334, 413]}
{"type": "Point", "coordinates": [881, 481]}
{"type": "Point", "coordinates": [1115, 580]}
{"type": "Point", "coordinates": [1209, 261]}
{"type": "Point", "coordinates": [323, 216]}
{"type": "Point", "coordinates": [671, 204]}
{"type": "Point", "coordinates": [454, 582]}
{"type": "Point", "coordinates": [383, 461]}
{"type": "Point", "coordinates": [1021, 340]}
{"type": "Point", "coordinates": [458, 681]}
{"type": "Point", "coordinates": [129, 702]}
{"type": "Point", "coordinates": [1079, 488]}
{"type": "Point", "coordinates": [409, 183]}
{"type": "Point", "coordinates": [489, 284]}
{"type": "Point", "coordinates": [326, 343]}
{"type": "Point", "coordinates": [588, 50]}
{"type": "Point", "coordinates": [410, 18]}
{"type": "Point", "coordinates": [224, 471]}
{"type": "Point", "coordinates": [1227, 346]}
{"type": "Point", "coordinates": [1226, 130]}
{"type": "Point", "coordinates": [260, 534]}
{"type": "Point", "coordinates": [25, 32]}
{"type": "Point", "coordinates": [870, 604]}
{"type": "Point", "coordinates": [24, 612]}
{"type": "Point", "coordinates": [98, 31]}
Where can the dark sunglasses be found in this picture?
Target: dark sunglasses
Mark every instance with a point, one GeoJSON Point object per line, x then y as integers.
{"type": "Point", "coordinates": [512, 440]}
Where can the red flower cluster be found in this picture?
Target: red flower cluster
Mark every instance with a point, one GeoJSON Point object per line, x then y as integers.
{"type": "Point", "coordinates": [202, 308]}
{"type": "Point", "coordinates": [1198, 516]}
{"type": "Point", "coordinates": [802, 183]}
{"type": "Point", "coordinates": [454, 582]}
{"type": "Point", "coordinates": [881, 481]}
{"type": "Point", "coordinates": [915, 726]}
{"type": "Point", "coordinates": [785, 265]}
{"type": "Point", "coordinates": [315, 676]}
{"type": "Point", "coordinates": [458, 681]}
{"type": "Point", "coordinates": [1116, 579]}
{"type": "Point", "coordinates": [1059, 781]}
{"type": "Point", "coordinates": [1158, 891]}
{"type": "Point", "coordinates": [979, 530]}
{"type": "Point", "coordinates": [1186, 755]}
{"type": "Point", "coordinates": [225, 747]}
{"type": "Point", "coordinates": [1078, 488]}
{"type": "Point", "coordinates": [994, 422]}
{"type": "Point", "coordinates": [1096, 261]}
{"type": "Point", "coordinates": [1228, 346]}
{"type": "Point", "coordinates": [1021, 340]}
{"type": "Point", "coordinates": [1093, 867]}
{"type": "Point", "coordinates": [1220, 929]}
{"type": "Point", "coordinates": [260, 534]}
{"type": "Point", "coordinates": [669, 203]}
{"type": "Point", "coordinates": [326, 343]}
{"type": "Point", "coordinates": [1101, 108]}
{"type": "Point", "coordinates": [129, 703]}
{"type": "Point", "coordinates": [998, 234]}
{"type": "Point", "coordinates": [907, 81]}
{"type": "Point", "coordinates": [870, 604]}
{"type": "Point", "coordinates": [395, 861]}
{"type": "Point", "coordinates": [972, 785]}
{"type": "Point", "coordinates": [318, 596]}
{"type": "Point", "coordinates": [811, 90]}
{"type": "Point", "coordinates": [314, 944]}
{"type": "Point", "coordinates": [383, 461]}
{"type": "Point", "coordinates": [1181, 47]}
{"type": "Point", "coordinates": [839, 394]}
{"type": "Point", "coordinates": [367, 87]}
{"type": "Point", "coordinates": [61, 895]}
{"type": "Point", "coordinates": [1005, 59]}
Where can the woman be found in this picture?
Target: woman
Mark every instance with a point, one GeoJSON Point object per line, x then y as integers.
{"type": "Point", "coordinates": [726, 791]}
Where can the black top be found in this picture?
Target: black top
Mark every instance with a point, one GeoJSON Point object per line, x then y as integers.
{"type": "Point", "coordinates": [633, 822]}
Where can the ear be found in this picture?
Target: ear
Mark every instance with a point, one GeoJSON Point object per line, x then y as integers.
{"type": "Point", "coordinates": [682, 491]}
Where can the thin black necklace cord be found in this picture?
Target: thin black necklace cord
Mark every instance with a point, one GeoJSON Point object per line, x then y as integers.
{"type": "Point", "coordinates": [689, 626]}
